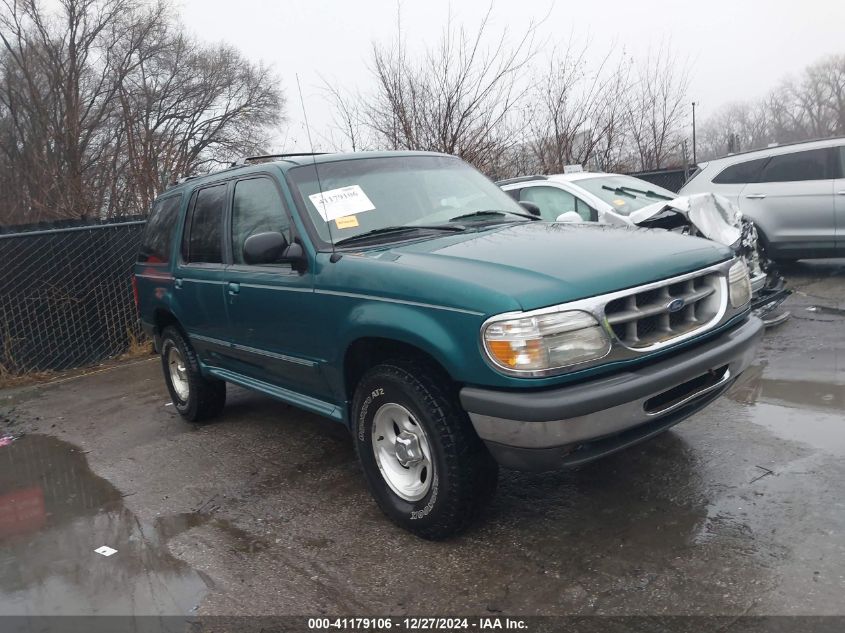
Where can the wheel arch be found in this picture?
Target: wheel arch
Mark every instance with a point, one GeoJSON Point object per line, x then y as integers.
{"type": "Point", "coordinates": [366, 352]}
{"type": "Point", "coordinates": [163, 318]}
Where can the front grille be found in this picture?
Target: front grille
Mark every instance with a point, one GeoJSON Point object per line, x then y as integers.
{"type": "Point", "coordinates": [644, 318]}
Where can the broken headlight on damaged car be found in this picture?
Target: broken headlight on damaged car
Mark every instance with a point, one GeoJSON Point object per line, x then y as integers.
{"type": "Point", "coordinates": [543, 343]}
{"type": "Point", "coordinates": [739, 284]}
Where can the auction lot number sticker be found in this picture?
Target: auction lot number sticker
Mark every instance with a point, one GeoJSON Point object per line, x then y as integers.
{"type": "Point", "coordinates": [418, 624]}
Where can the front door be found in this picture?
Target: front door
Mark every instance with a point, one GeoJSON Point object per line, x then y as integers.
{"type": "Point", "coordinates": [554, 202]}
{"type": "Point", "coordinates": [269, 305]}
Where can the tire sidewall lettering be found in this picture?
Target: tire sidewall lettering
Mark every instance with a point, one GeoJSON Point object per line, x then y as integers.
{"type": "Point", "coordinates": [365, 408]}
{"type": "Point", "coordinates": [432, 499]}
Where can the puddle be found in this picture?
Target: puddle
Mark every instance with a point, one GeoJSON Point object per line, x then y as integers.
{"type": "Point", "coordinates": [825, 432]}
{"type": "Point", "coordinates": [54, 512]}
{"type": "Point", "coordinates": [826, 310]}
{"type": "Point", "coordinates": [809, 411]}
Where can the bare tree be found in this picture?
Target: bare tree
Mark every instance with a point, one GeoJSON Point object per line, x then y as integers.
{"type": "Point", "coordinates": [60, 76]}
{"type": "Point", "coordinates": [735, 126]}
{"type": "Point", "coordinates": [655, 111]}
{"type": "Point", "coordinates": [576, 114]}
{"type": "Point", "coordinates": [809, 106]}
{"type": "Point", "coordinates": [349, 120]}
{"type": "Point", "coordinates": [458, 97]}
{"type": "Point", "coordinates": [103, 101]}
{"type": "Point", "coordinates": [186, 107]}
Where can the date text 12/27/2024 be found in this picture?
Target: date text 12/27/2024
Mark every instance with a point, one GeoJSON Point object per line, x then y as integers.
{"type": "Point", "coordinates": [418, 624]}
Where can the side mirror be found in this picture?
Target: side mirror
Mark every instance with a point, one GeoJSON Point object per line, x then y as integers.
{"type": "Point", "coordinates": [532, 208]}
{"type": "Point", "coordinates": [265, 248]}
{"type": "Point", "coordinates": [569, 216]}
{"type": "Point", "coordinates": [295, 255]}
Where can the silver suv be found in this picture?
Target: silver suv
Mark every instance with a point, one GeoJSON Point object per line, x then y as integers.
{"type": "Point", "coordinates": [794, 194]}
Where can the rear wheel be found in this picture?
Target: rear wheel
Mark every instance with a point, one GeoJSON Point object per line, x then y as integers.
{"type": "Point", "coordinates": [423, 462]}
{"type": "Point", "coordinates": [195, 397]}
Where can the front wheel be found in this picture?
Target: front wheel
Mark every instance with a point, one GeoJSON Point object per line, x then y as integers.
{"type": "Point", "coordinates": [423, 462]}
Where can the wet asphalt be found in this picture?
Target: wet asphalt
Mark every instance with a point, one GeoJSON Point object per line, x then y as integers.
{"type": "Point", "coordinates": [738, 510]}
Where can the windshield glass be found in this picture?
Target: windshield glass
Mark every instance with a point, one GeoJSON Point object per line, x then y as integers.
{"type": "Point", "coordinates": [367, 194]}
{"type": "Point", "coordinates": [625, 194]}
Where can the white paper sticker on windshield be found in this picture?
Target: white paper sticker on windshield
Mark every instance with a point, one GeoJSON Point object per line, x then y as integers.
{"type": "Point", "coordinates": [337, 203]}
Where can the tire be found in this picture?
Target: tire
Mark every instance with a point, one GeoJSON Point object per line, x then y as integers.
{"type": "Point", "coordinates": [448, 487]}
{"type": "Point", "coordinates": [195, 397]}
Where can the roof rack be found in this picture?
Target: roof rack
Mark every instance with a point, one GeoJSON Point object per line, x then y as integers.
{"type": "Point", "coordinates": [510, 181]}
{"type": "Point", "coordinates": [246, 160]}
{"type": "Point", "coordinates": [179, 181]}
{"type": "Point", "coordinates": [249, 160]}
{"type": "Point", "coordinates": [779, 145]}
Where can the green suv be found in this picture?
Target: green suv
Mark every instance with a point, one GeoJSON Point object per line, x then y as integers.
{"type": "Point", "coordinates": [407, 297]}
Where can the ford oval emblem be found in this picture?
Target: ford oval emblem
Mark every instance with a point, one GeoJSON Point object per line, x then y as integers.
{"type": "Point", "coordinates": [675, 305]}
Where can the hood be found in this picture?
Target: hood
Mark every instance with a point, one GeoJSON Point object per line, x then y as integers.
{"type": "Point", "coordinates": [542, 263]}
{"type": "Point", "coordinates": [715, 217]}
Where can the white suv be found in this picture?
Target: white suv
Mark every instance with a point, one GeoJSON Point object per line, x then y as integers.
{"type": "Point", "coordinates": [794, 194]}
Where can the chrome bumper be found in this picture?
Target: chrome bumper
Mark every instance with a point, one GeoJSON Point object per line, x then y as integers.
{"type": "Point", "coordinates": [521, 427]}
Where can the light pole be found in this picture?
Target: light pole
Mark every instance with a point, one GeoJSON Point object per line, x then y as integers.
{"type": "Point", "coordinates": [694, 161]}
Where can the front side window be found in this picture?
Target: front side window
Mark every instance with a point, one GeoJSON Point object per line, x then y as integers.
{"type": "Point", "coordinates": [256, 208]}
{"type": "Point", "coordinates": [551, 200]}
{"type": "Point", "coordinates": [797, 166]}
{"type": "Point", "coordinates": [347, 198]}
{"type": "Point", "coordinates": [741, 173]}
{"type": "Point", "coordinates": [205, 227]}
{"type": "Point", "coordinates": [625, 194]}
{"type": "Point", "coordinates": [158, 234]}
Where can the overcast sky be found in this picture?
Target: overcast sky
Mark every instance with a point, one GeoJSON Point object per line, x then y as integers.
{"type": "Point", "coordinates": [737, 49]}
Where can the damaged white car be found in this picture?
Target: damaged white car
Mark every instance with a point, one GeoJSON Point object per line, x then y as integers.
{"type": "Point", "coordinates": [621, 199]}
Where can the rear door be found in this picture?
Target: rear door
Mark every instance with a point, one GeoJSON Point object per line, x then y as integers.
{"type": "Point", "coordinates": [198, 284]}
{"type": "Point", "coordinates": [793, 203]}
{"type": "Point", "coordinates": [269, 305]}
{"type": "Point", "coordinates": [839, 202]}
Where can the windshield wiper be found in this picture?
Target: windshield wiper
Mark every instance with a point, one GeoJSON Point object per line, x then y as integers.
{"type": "Point", "coordinates": [385, 230]}
{"type": "Point", "coordinates": [626, 191]}
{"type": "Point", "coordinates": [492, 212]}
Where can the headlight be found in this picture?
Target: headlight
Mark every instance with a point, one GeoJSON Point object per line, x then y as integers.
{"type": "Point", "coordinates": [539, 344]}
{"type": "Point", "coordinates": [740, 285]}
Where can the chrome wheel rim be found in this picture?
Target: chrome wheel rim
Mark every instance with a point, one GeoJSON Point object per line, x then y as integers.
{"type": "Point", "coordinates": [402, 452]}
{"type": "Point", "coordinates": [178, 373]}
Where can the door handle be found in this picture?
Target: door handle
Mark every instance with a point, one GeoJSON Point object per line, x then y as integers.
{"type": "Point", "coordinates": [177, 282]}
{"type": "Point", "coordinates": [756, 196]}
{"type": "Point", "coordinates": [840, 193]}
{"type": "Point", "coordinates": [233, 287]}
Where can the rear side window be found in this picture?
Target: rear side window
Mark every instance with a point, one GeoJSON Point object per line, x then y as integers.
{"type": "Point", "coordinates": [158, 234]}
{"type": "Point", "coordinates": [741, 173]}
{"type": "Point", "coordinates": [204, 232]}
{"type": "Point", "coordinates": [810, 165]}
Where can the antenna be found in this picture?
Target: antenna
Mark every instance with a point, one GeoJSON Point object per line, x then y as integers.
{"type": "Point", "coordinates": [335, 257]}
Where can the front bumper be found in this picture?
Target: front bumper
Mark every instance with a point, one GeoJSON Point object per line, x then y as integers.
{"type": "Point", "coordinates": [569, 426]}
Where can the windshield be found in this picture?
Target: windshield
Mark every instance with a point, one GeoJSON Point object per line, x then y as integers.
{"type": "Point", "coordinates": [371, 194]}
{"type": "Point", "coordinates": [625, 194]}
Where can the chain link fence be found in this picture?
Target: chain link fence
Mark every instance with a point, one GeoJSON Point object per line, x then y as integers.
{"type": "Point", "coordinates": [671, 179]}
{"type": "Point", "coordinates": [66, 295]}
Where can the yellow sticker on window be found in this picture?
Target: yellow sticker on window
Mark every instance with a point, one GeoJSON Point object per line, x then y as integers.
{"type": "Point", "coordinates": [346, 222]}
{"type": "Point", "coordinates": [619, 203]}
